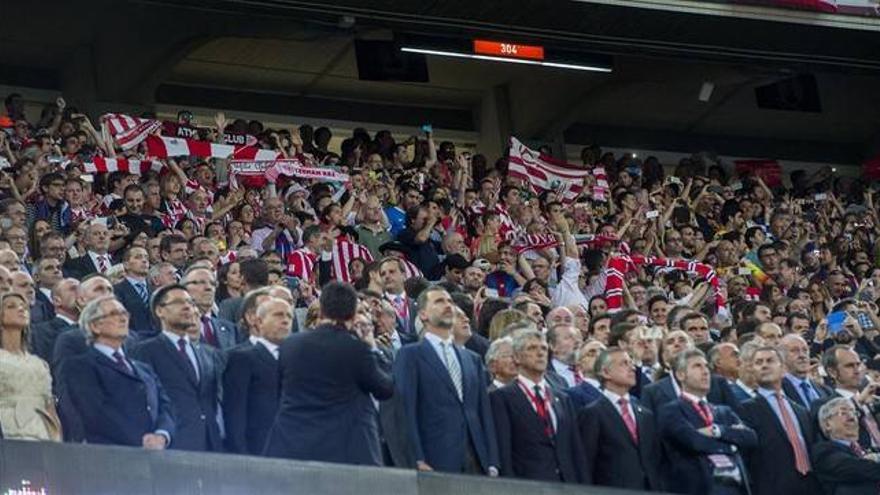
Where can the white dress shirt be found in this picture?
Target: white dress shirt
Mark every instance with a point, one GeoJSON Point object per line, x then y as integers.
{"type": "Point", "coordinates": [614, 398]}
{"type": "Point", "coordinates": [564, 371]}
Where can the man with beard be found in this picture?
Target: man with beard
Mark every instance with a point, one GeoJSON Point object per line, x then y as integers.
{"type": "Point", "coordinates": [443, 388]}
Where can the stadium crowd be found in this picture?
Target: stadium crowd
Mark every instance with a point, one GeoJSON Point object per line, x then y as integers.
{"type": "Point", "coordinates": [698, 331]}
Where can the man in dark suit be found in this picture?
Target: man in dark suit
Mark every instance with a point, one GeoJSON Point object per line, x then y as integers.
{"type": "Point", "coordinates": [590, 389]}
{"type": "Point", "coordinates": [391, 272]}
{"type": "Point", "coordinates": [134, 293]}
{"type": "Point", "coordinates": [47, 273]}
{"type": "Point", "coordinates": [536, 428]}
{"type": "Point", "coordinates": [120, 401]}
{"type": "Point", "coordinates": [190, 376]}
{"type": "Point", "coordinates": [444, 391]}
{"type": "Point", "coordinates": [667, 389]}
{"type": "Point", "coordinates": [329, 378]}
{"type": "Point", "coordinates": [618, 434]}
{"type": "Point", "coordinates": [703, 440]}
{"type": "Point", "coordinates": [250, 382]}
{"type": "Point", "coordinates": [781, 462]}
{"type": "Point", "coordinates": [97, 258]}
{"type": "Point", "coordinates": [797, 384]}
{"type": "Point", "coordinates": [71, 343]}
{"type": "Point", "coordinates": [43, 335]}
{"type": "Point", "coordinates": [845, 367]}
{"type": "Point", "coordinates": [841, 464]}
{"type": "Point", "coordinates": [217, 332]}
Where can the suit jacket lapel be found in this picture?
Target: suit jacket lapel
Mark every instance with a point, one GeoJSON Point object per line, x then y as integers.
{"type": "Point", "coordinates": [434, 362]}
{"type": "Point", "coordinates": [523, 406]}
{"type": "Point", "coordinates": [105, 361]}
{"type": "Point", "coordinates": [668, 390]}
{"type": "Point", "coordinates": [768, 410]}
{"type": "Point", "coordinates": [178, 360]}
{"type": "Point", "coordinates": [468, 373]}
{"type": "Point", "coordinates": [264, 355]}
{"type": "Point", "coordinates": [618, 419]}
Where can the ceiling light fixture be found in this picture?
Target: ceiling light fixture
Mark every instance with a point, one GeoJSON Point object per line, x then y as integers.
{"type": "Point", "coordinates": [558, 65]}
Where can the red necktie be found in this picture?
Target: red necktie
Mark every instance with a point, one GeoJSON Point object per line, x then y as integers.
{"type": "Point", "coordinates": [869, 423]}
{"type": "Point", "coordinates": [801, 460]}
{"type": "Point", "coordinates": [208, 331]}
{"type": "Point", "coordinates": [578, 377]}
{"type": "Point", "coordinates": [102, 263]}
{"type": "Point", "coordinates": [628, 420]}
{"type": "Point", "coordinates": [543, 413]}
{"type": "Point", "coordinates": [857, 449]}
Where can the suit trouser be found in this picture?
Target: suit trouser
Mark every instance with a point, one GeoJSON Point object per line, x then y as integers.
{"type": "Point", "coordinates": [471, 463]}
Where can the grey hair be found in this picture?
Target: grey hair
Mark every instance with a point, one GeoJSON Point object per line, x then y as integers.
{"type": "Point", "coordinates": [579, 352]}
{"type": "Point", "coordinates": [522, 337]}
{"type": "Point", "coordinates": [92, 312]}
{"type": "Point", "coordinates": [156, 269]}
{"type": "Point", "coordinates": [829, 409]}
{"type": "Point", "coordinates": [603, 361]}
{"type": "Point", "coordinates": [682, 358]}
{"type": "Point", "coordinates": [495, 349]}
{"type": "Point", "coordinates": [748, 350]}
{"type": "Point", "coordinates": [263, 308]}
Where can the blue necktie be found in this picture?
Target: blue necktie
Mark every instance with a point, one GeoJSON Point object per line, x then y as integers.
{"type": "Point", "coordinates": [807, 390]}
{"type": "Point", "coordinates": [142, 291]}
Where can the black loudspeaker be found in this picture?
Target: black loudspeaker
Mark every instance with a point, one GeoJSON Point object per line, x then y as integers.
{"type": "Point", "coordinates": [383, 61]}
{"type": "Point", "coordinates": [797, 94]}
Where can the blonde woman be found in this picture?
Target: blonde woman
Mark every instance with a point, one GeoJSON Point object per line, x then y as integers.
{"type": "Point", "coordinates": [27, 409]}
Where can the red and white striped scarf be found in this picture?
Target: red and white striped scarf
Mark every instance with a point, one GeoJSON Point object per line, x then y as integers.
{"type": "Point", "coordinates": [545, 173]}
{"type": "Point", "coordinates": [410, 270]}
{"type": "Point", "coordinates": [343, 253]}
{"type": "Point", "coordinates": [129, 131]}
{"type": "Point", "coordinates": [619, 266]}
{"type": "Point", "coordinates": [163, 147]}
{"type": "Point", "coordinates": [100, 165]}
{"type": "Point", "coordinates": [543, 241]}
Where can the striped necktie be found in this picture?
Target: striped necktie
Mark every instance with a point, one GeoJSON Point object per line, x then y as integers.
{"type": "Point", "coordinates": [452, 366]}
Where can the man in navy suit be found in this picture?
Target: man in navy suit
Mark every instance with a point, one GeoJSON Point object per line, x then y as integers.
{"type": "Point", "coordinates": [443, 389]}
{"type": "Point", "coordinates": [97, 258]}
{"type": "Point", "coordinates": [190, 376]}
{"type": "Point", "coordinates": [329, 378]}
{"type": "Point", "coordinates": [617, 432]}
{"type": "Point", "coordinates": [43, 335]}
{"type": "Point", "coordinates": [217, 332]}
{"type": "Point", "coordinates": [667, 389]}
{"type": "Point", "coordinates": [703, 440]}
{"type": "Point", "coordinates": [73, 342]}
{"type": "Point", "coordinates": [536, 428]}
{"type": "Point", "coordinates": [120, 401]}
{"type": "Point", "coordinates": [250, 382]}
{"type": "Point", "coordinates": [134, 293]}
{"type": "Point", "coordinates": [590, 389]}
{"type": "Point", "coordinates": [47, 273]}
{"type": "Point", "coordinates": [781, 461]}
{"type": "Point", "coordinates": [797, 384]}
{"type": "Point", "coordinates": [391, 272]}
{"type": "Point", "coordinates": [842, 465]}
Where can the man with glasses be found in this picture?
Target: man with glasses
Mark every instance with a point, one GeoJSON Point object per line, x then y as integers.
{"type": "Point", "coordinates": [120, 401]}
{"type": "Point", "coordinates": [841, 464]}
{"type": "Point", "coordinates": [188, 373]}
{"type": "Point", "coordinates": [52, 206]}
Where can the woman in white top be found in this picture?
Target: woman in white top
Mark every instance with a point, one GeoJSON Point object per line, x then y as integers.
{"type": "Point", "coordinates": [27, 408]}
